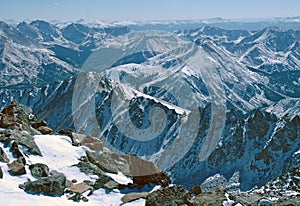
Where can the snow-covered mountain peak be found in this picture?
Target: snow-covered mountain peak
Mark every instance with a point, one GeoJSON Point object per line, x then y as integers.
{"type": "Point", "coordinates": [196, 102]}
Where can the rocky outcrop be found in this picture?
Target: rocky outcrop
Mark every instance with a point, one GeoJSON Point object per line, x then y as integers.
{"type": "Point", "coordinates": [144, 172]}
{"type": "Point", "coordinates": [90, 169]}
{"type": "Point", "coordinates": [15, 150]}
{"type": "Point", "coordinates": [111, 162]}
{"type": "Point", "coordinates": [169, 196]}
{"type": "Point", "coordinates": [16, 119]}
{"type": "Point", "coordinates": [39, 170]}
{"type": "Point", "coordinates": [44, 130]}
{"type": "Point", "coordinates": [67, 131]}
{"type": "Point", "coordinates": [134, 196]}
{"type": "Point", "coordinates": [196, 190]}
{"type": "Point", "coordinates": [1, 173]}
{"type": "Point", "coordinates": [22, 138]}
{"type": "Point", "coordinates": [141, 171]}
{"type": "Point", "coordinates": [7, 121]}
{"type": "Point", "coordinates": [17, 116]}
{"type": "Point", "coordinates": [215, 197]}
{"type": "Point", "coordinates": [177, 195]}
{"type": "Point", "coordinates": [77, 190]}
{"type": "Point", "coordinates": [53, 185]}
{"type": "Point", "coordinates": [42, 127]}
{"type": "Point", "coordinates": [85, 140]}
{"type": "Point", "coordinates": [36, 125]}
{"type": "Point", "coordinates": [3, 156]}
{"type": "Point", "coordinates": [111, 185]}
{"type": "Point", "coordinates": [17, 167]}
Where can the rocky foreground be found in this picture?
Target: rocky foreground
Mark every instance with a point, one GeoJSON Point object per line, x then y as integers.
{"type": "Point", "coordinates": [45, 167]}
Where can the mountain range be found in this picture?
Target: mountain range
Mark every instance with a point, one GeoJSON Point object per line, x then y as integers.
{"type": "Point", "coordinates": [210, 106]}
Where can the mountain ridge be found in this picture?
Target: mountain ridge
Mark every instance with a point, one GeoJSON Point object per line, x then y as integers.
{"type": "Point", "coordinates": [249, 78]}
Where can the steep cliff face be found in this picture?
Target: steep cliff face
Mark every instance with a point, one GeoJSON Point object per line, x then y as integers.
{"type": "Point", "coordinates": [249, 146]}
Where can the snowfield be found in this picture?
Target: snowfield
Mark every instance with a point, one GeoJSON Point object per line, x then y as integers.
{"type": "Point", "coordinates": [59, 154]}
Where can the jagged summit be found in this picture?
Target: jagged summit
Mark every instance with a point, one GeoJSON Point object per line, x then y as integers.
{"type": "Point", "coordinates": [20, 117]}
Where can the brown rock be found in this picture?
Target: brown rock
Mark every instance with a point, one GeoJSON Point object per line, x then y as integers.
{"type": "Point", "coordinates": [196, 190]}
{"type": "Point", "coordinates": [84, 140]}
{"type": "Point", "coordinates": [45, 130]}
{"type": "Point", "coordinates": [79, 188]}
{"type": "Point", "coordinates": [9, 110]}
{"type": "Point", "coordinates": [36, 125]}
{"type": "Point", "coordinates": [111, 185]}
{"type": "Point", "coordinates": [144, 172]}
{"type": "Point", "coordinates": [67, 132]}
{"type": "Point", "coordinates": [134, 196]}
{"type": "Point", "coordinates": [141, 171]}
{"type": "Point", "coordinates": [15, 115]}
{"type": "Point", "coordinates": [7, 121]}
{"type": "Point", "coordinates": [92, 143]}
{"type": "Point", "coordinates": [17, 167]}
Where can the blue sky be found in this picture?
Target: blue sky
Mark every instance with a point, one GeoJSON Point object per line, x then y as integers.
{"type": "Point", "coordinates": [146, 10]}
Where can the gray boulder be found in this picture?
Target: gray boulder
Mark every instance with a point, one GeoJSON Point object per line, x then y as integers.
{"type": "Point", "coordinates": [39, 170]}
{"type": "Point", "coordinates": [52, 185]}
{"type": "Point", "coordinates": [91, 169]}
{"type": "Point", "coordinates": [25, 139]}
{"type": "Point", "coordinates": [3, 157]}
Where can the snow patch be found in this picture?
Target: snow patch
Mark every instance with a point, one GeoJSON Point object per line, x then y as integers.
{"type": "Point", "coordinates": [120, 178]}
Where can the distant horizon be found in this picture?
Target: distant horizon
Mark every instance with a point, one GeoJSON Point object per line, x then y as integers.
{"type": "Point", "coordinates": [141, 11]}
{"type": "Point", "coordinates": [245, 20]}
